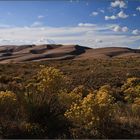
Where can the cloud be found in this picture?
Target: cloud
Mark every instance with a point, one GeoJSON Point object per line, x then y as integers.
{"type": "Point", "coordinates": [138, 8]}
{"type": "Point", "coordinates": [135, 32]}
{"type": "Point", "coordinates": [118, 28]}
{"type": "Point", "coordinates": [74, 1]}
{"type": "Point", "coordinates": [98, 41]}
{"type": "Point", "coordinates": [113, 17]}
{"type": "Point", "coordinates": [118, 3]}
{"type": "Point", "coordinates": [121, 14]}
{"type": "Point", "coordinates": [86, 25]}
{"type": "Point", "coordinates": [40, 17]}
{"type": "Point", "coordinates": [99, 36]}
{"type": "Point", "coordinates": [102, 11]}
{"type": "Point", "coordinates": [94, 13]}
{"type": "Point", "coordinates": [37, 24]}
{"type": "Point", "coordinates": [44, 41]}
{"type": "Point", "coordinates": [125, 29]}
{"type": "Point", "coordinates": [134, 15]}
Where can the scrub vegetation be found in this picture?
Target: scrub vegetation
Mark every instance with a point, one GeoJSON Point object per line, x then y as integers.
{"type": "Point", "coordinates": [70, 99]}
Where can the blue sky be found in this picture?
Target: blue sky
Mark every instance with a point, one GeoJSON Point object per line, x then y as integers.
{"type": "Point", "coordinates": [93, 23]}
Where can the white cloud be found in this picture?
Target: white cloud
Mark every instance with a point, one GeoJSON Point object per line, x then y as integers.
{"type": "Point", "coordinates": [134, 15]}
{"type": "Point", "coordinates": [125, 29]}
{"type": "Point", "coordinates": [102, 11]}
{"type": "Point", "coordinates": [44, 40]}
{"type": "Point", "coordinates": [118, 3]}
{"type": "Point", "coordinates": [113, 17]}
{"type": "Point", "coordinates": [40, 17]}
{"type": "Point", "coordinates": [121, 14]}
{"type": "Point", "coordinates": [86, 25]}
{"type": "Point", "coordinates": [94, 13]}
{"type": "Point", "coordinates": [74, 1]}
{"type": "Point", "coordinates": [136, 32]}
{"type": "Point", "coordinates": [118, 28]}
{"type": "Point", "coordinates": [98, 41]}
{"type": "Point", "coordinates": [138, 8]}
{"type": "Point", "coordinates": [100, 36]}
{"type": "Point", "coordinates": [37, 24]}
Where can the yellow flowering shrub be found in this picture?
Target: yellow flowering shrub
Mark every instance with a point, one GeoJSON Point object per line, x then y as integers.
{"type": "Point", "coordinates": [81, 90]}
{"type": "Point", "coordinates": [8, 104]}
{"type": "Point", "coordinates": [104, 95]}
{"type": "Point", "coordinates": [41, 98]}
{"type": "Point", "coordinates": [50, 80]}
{"type": "Point", "coordinates": [92, 114]}
{"type": "Point", "coordinates": [131, 89]}
{"type": "Point", "coordinates": [75, 96]}
{"type": "Point", "coordinates": [136, 106]}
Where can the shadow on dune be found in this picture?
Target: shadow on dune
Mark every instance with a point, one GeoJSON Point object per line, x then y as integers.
{"type": "Point", "coordinates": [78, 50]}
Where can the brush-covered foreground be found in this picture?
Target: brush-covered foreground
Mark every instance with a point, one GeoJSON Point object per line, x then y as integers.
{"type": "Point", "coordinates": [70, 99]}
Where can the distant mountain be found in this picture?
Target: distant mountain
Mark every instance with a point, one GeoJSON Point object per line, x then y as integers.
{"type": "Point", "coordinates": [44, 40]}
{"type": "Point", "coordinates": [25, 53]}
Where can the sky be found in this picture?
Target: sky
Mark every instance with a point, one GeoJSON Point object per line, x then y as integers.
{"type": "Point", "coordinates": [92, 23]}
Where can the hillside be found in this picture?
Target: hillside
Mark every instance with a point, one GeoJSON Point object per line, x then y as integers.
{"type": "Point", "coordinates": [61, 52]}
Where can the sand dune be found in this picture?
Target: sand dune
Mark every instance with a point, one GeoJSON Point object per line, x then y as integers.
{"type": "Point", "coordinates": [27, 53]}
{"type": "Point", "coordinates": [109, 52]}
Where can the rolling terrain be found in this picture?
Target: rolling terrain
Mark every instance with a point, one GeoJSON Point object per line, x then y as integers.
{"type": "Point", "coordinates": [26, 53]}
{"type": "Point", "coordinates": [36, 113]}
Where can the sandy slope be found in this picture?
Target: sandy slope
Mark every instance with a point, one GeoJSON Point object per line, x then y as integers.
{"type": "Point", "coordinates": [109, 52]}
{"type": "Point", "coordinates": [58, 52]}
